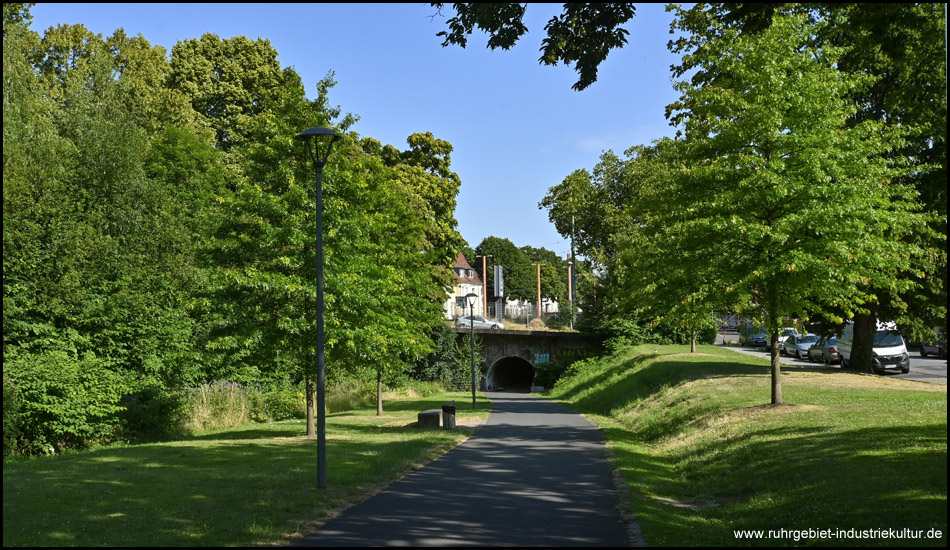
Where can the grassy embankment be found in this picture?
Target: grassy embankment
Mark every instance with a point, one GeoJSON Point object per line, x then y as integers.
{"type": "Point", "coordinates": [703, 456]}
{"type": "Point", "coordinates": [243, 486]}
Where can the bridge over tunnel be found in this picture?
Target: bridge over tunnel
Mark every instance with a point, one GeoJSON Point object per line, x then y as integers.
{"type": "Point", "coordinates": [511, 359]}
{"type": "Point", "coordinates": [510, 374]}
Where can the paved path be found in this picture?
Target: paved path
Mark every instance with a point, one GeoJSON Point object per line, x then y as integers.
{"type": "Point", "coordinates": [535, 474]}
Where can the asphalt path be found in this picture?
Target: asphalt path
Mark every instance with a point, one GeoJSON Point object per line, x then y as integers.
{"type": "Point", "coordinates": [922, 369]}
{"type": "Point", "coordinates": [535, 474]}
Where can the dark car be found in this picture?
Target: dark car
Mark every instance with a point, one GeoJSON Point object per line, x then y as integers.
{"type": "Point", "coordinates": [825, 351]}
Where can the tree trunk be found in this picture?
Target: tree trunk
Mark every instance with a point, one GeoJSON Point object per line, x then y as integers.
{"type": "Point", "coordinates": [776, 370]}
{"type": "Point", "coordinates": [862, 347]}
{"type": "Point", "coordinates": [776, 360]}
{"type": "Point", "coordinates": [379, 393]}
{"type": "Point", "coordinates": [308, 387]}
{"type": "Point", "coordinates": [692, 342]}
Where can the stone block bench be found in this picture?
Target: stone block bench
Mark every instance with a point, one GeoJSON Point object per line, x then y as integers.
{"type": "Point", "coordinates": [430, 418]}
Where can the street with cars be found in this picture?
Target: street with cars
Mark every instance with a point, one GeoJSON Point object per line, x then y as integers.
{"type": "Point", "coordinates": [929, 369]}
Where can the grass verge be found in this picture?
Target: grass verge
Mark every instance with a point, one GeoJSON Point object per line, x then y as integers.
{"type": "Point", "coordinates": [862, 457]}
{"type": "Point", "coordinates": [243, 486]}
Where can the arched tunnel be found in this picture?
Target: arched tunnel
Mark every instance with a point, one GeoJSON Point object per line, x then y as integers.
{"type": "Point", "coordinates": [510, 374]}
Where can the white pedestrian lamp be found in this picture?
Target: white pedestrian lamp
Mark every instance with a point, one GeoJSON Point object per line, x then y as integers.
{"type": "Point", "coordinates": [471, 298]}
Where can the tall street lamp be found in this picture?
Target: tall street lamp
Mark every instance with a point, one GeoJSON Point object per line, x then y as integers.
{"type": "Point", "coordinates": [319, 141]}
{"type": "Point", "coordinates": [471, 298]}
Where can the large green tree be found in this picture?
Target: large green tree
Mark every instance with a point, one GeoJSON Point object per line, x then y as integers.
{"type": "Point", "coordinates": [903, 46]}
{"type": "Point", "coordinates": [785, 207]}
{"type": "Point", "coordinates": [99, 241]}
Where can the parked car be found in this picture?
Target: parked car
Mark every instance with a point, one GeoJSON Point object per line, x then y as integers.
{"type": "Point", "coordinates": [890, 351]}
{"type": "Point", "coordinates": [938, 348]}
{"type": "Point", "coordinates": [479, 322]}
{"type": "Point", "coordinates": [799, 344]}
{"type": "Point", "coordinates": [783, 335]}
{"type": "Point", "coordinates": [825, 351]}
{"type": "Point", "coordinates": [759, 340]}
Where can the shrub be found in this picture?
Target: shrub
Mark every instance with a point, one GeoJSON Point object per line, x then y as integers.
{"type": "Point", "coordinates": [59, 402]}
{"type": "Point", "coordinates": [619, 333]}
{"type": "Point", "coordinates": [152, 413]}
{"type": "Point", "coordinates": [461, 375]}
{"type": "Point", "coordinates": [285, 401]}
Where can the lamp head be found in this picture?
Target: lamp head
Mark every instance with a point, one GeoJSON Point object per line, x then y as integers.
{"type": "Point", "coordinates": [318, 135]}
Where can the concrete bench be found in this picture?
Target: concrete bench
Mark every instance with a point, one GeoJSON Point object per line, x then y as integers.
{"type": "Point", "coordinates": [430, 418]}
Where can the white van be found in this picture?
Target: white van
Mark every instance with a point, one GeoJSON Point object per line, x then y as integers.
{"type": "Point", "coordinates": [890, 350]}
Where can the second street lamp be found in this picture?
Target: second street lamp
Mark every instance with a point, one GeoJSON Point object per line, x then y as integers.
{"type": "Point", "coordinates": [320, 138]}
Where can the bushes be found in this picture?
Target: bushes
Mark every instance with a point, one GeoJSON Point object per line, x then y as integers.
{"type": "Point", "coordinates": [619, 333]}
{"type": "Point", "coordinates": [58, 402]}
{"type": "Point", "coordinates": [53, 403]}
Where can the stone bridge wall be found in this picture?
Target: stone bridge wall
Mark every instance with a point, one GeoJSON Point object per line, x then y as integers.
{"type": "Point", "coordinates": [533, 347]}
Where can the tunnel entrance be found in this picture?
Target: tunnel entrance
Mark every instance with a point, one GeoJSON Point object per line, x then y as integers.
{"type": "Point", "coordinates": [512, 374]}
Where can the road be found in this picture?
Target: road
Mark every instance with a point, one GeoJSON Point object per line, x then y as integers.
{"type": "Point", "coordinates": [922, 369]}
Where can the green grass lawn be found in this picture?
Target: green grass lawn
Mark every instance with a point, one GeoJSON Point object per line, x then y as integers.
{"type": "Point", "coordinates": [251, 485]}
{"type": "Point", "coordinates": [703, 456]}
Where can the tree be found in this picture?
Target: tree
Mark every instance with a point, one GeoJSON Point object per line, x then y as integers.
{"type": "Point", "coordinates": [583, 34]}
{"type": "Point", "coordinates": [784, 206]}
{"type": "Point", "coordinates": [520, 276]}
{"type": "Point", "coordinates": [553, 272]}
{"type": "Point", "coordinates": [899, 44]}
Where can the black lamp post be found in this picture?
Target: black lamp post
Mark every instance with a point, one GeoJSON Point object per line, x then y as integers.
{"type": "Point", "coordinates": [322, 138]}
{"type": "Point", "coordinates": [471, 298]}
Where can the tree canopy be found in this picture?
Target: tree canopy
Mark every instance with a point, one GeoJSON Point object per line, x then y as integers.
{"type": "Point", "coordinates": [159, 226]}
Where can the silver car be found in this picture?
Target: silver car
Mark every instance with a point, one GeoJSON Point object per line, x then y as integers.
{"type": "Point", "coordinates": [479, 322]}
{"type": "Point", "coordinates": [825, 351]}
{"type": "Point", "coordinates": [799, 344]}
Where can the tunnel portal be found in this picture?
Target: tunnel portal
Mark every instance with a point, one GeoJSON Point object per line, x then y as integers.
{"type": "Point", "coordinates": [512, 374]}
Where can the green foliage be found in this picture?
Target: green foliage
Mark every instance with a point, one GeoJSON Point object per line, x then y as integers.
{"type": "Point", "coordinates": [582, 34]}
{"type": "Point", "coordinates": [520, 271]}
{"type": "Point", "coordinates": [158, 231]}
{"type": "Point", "coordinates": [460, 378]}
{"type": "Point", "coordinates": [619, 333]}
{"type": "Point", "coordinates": [284, 401]}
{"type": "Point", "coordinates": [61, 401]}
{"type": "Point", "coordinates": [11, 418]}
{"type": "Point", "coordinates": [437, 366]}
{"type": "Point", "coordinates": [153, 413]}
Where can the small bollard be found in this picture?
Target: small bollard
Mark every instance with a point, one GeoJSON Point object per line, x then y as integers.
{"type": "Point", "coordinates": [448, 415]}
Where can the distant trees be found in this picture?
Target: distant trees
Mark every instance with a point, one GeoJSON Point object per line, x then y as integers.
{"type": "Point", "coordinates": [521, 272]}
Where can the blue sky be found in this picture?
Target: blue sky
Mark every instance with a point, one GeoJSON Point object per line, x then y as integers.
{"type": "Point", "coordinates": [517, 127]}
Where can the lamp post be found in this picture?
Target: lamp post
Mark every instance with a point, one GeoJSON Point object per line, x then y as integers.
{"type": "Point", "coordinates": [471, 298]}
{"type": "Point", "coordinates": [320, 137]}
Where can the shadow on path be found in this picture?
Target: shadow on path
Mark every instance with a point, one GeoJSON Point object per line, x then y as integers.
{"type": "Point", "coordinates": [536, 474]}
